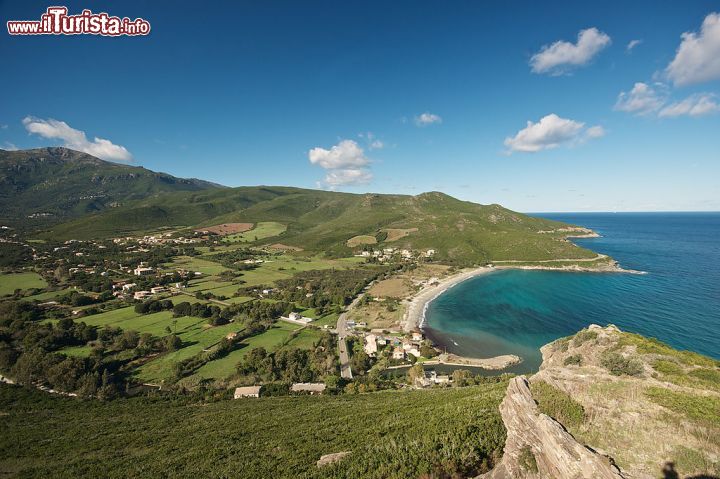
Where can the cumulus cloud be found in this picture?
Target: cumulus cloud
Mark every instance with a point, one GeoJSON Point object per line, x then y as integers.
{"type": "Point", "coordinates": [558, 57]}
{"type": "Point", "coordinates": [695, 105]}
{"type": "Point", "coordinates": [698, 57]}
{"type": "Point", "coordinates": [346, 163]}
{"type": "Point", "coordinates": [551, 132]}
{"type": "Point", "coordinates": [633, 43]}
{"type": "Point", "coordinates": [348, 176]}
{"type": "Point", "coordinates": [427, 118]}
{"type": "Point", "coordinates": [641, 100]}
{"type": "Point", "coordinates": [76, 139]}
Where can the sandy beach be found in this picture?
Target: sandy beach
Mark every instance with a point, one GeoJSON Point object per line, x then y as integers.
{"type": "Point", "coordinates": [415, 313]}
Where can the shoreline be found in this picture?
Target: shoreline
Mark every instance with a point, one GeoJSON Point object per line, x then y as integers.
{"type": "Point", "coordinates": [414, 317]}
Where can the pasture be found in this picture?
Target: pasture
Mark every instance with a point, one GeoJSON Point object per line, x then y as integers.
{"type": "Point", "coordinates": [11, 281]}
{"type": "Point", "coordinates": [262, 230]}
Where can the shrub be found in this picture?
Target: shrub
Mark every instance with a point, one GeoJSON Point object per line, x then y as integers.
{"type": "Point", "coordinates": [526, 459]}
{"type": "Point", "coordinates": [575, 359]}
{"type": "Point", "coordinates": [557, 404]}
{"type": "Point", "coordinates": [619, 365]}
{"type": "Point", "coordinates": [583, 336]}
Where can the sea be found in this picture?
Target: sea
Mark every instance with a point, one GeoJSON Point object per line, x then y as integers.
{"type": "Point", "coordinates": [518, 311]}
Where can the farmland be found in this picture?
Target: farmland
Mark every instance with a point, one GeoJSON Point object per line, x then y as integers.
{"type": "Point", "coordinates": [262, 230]}
{"type": "Point", "coordinates": [23, 281]}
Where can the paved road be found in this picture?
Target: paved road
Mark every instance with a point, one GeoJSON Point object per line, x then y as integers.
{"type": "Point", "coordinates": [342, 331]}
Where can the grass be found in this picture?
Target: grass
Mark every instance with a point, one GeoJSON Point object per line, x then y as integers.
{"type": "Point", "coordinates": [265, 229]}
{"type": "Point", "coordinates": [196, 337]}
{"type": "Point", "coordinates": [304, 339]}
{"type": "Point", "coordinates": [10, 282]}
{"type": "Point", "coordinates": [558, 404]}
{"type": "Point", "coordinates": [47, 295]}
{"type": "Point", "coordinates": [271, 340]}
{"type": "Point", "coordinates": [361, 240]}
{"type": "Point", "coordinates": [193, 263]}
{"type": "Point", "coordinates": [645, 345]}
{"type": "Point", "coordinates": [391, 434]}
{"type": "Point", "coordinates": [702, 409]}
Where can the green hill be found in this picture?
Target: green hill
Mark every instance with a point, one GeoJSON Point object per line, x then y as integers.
{"type": "Point", "coordinates": [49, 185]}
{"type": "Point", "coordinates": [436, 433]}
{"type": "Point", "coordinates": [324, 221]}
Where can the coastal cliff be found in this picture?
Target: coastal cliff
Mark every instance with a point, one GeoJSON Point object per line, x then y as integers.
{"type": "Point", "coordinates": [610, 404]}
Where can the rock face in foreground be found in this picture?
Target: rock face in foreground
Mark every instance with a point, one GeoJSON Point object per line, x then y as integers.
{"type": "Point", "coordinates": [538, 446]}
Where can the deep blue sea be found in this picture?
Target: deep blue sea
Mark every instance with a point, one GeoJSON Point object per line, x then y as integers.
{"type": "Point", "coordinates": [516, 312]}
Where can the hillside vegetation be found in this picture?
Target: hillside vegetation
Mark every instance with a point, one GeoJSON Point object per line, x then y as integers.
{"type": "Point", "coordinates": [328, 222]}
{"type": "Point", "coordinates": [57, 184]}
{"type": "Point", "coordinates": [388, 434]}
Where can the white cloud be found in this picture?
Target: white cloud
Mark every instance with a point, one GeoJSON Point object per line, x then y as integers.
{"type": "Point", "coordinates": [595, 132]}
{"type": "Point", "coordinates": [345, 154]}
{"type": "Point", "coordinates": [561, 55]}
{"type": "Point", "coordinates": [7, 146]}
{"type": "Point", "coordinates": [348, 176]}
{"type": "Point", "coordinates": [641, 100]}
{"type": "Point", "coordinates": [427, 118]}
{"type": "Point", "coordinates": [551, 132]}
{"type": "Point", "coordinates": [76, 139]}
{"type": "Point", "coordinates": [346, 163]}
{"type": "Point", "coordinates": [633, 43]}
{"type": "Point", "coordinates": [694, 105]}
{"type": "Point", "coordinates": [3, 127]}
{"type": "Point", "coordinates": [698, 57]}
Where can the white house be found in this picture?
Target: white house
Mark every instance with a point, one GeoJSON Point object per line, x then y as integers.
{"type": "Point", "coordinates": [417, 336]}
{"type": "Point", "coordinates": [128, 287]}
{"type": "Point", "coordinates": [143, 271]}
{"type": "Point", "coordinates": [312, 388]}
{"type": "Point", "coordinates": [371, 345]}
{"type": "Point", "coordinates": [398, 353]}
{"type": "Point", "coordinates": [247, 392]}
{"type": "Point", "coordinates": [141, 295]}
{"type": "Point", "coordinates": [158, 289]}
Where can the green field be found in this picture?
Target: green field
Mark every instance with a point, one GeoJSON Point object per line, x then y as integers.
{"type": "Point", "coordinates": [392, 434]}
{"type": "Point", "coordinates": [271, 340]}
{"type": "Point", "coordinates": [10, 282]}
{"type": "Point", "coordinates": [196, 337]}
{"type": "Point", "coordinates": [262, 230]}
{"type": "Point", "coordinates": [48, 295]}
{"type": "Point", "coordinates": [193, 263]}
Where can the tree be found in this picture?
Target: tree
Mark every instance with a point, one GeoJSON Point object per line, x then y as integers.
{"type": "Point", "coordinates": [172, 342]}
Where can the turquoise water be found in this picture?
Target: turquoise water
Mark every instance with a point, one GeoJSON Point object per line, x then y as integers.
{"type": "Point", "coordinates": [516, 312]}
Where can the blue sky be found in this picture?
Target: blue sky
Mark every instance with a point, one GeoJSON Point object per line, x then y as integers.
{"type": "Point", "coordinates": [247, 93]}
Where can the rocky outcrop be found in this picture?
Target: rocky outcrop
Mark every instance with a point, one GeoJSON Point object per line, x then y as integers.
{"type": "Point", "coordinates": [538, 446]}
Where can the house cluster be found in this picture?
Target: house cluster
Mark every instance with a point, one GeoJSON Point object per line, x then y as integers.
{"type": "Point", "coordinates": [399, 347]}
{"type": "Point", "coordinates": [155, 240]}
{"type": "Point", "coordinates": [297, 388]}
{"type": "Point", "coordinates": [387, 254]}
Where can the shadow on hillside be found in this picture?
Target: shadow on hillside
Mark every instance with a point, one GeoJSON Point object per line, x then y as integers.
{"type": "Point", "coordinates": [669, 472]}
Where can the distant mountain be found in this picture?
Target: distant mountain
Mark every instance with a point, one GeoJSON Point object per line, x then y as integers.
{"type": "Point", "coordinates": [340, 223]}
{"type": "Point", "coordinates": [50, 185]}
